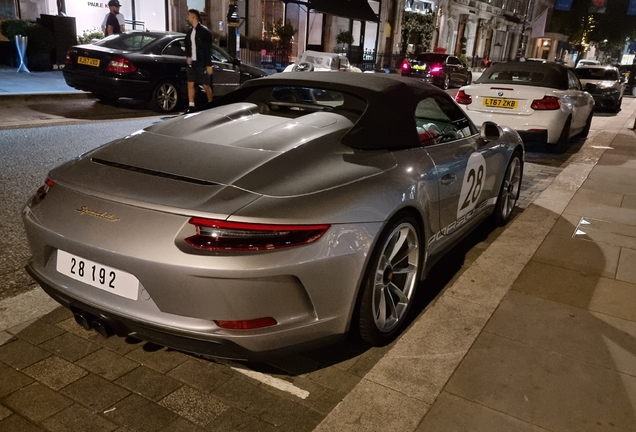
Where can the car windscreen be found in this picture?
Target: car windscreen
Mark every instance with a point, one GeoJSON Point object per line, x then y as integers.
{"type": "Point", "coordinates": [430, 58]}
{"type": "Point", "coordinates": [295, 101]}
{"type": "Point", "coordinates": [128, 41]}
{"type": "Point", "coordinates": [318, 60]}
{"type": "Point", "coordinates": [597, 74]}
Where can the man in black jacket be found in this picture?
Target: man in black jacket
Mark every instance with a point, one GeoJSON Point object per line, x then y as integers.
{"type": "Point", "coordinates": [198, 43]}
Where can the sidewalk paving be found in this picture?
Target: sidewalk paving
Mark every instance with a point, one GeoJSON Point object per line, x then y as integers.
{"type": "Point", "coordinates": [537, 334]}
{"type": "Point", "coordinates": [39, 84]}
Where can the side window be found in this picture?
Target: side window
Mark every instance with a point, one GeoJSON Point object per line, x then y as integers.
{"type": "Point", "coordinates": [573, 81]}
{"type": "Point", "coordinates": [219, 56]}
{"type": "Point", "coordinates": [439, 120]}
{"type": "Point", "coordinates": [175, 48]}
{"type": "Point", "coordinates": [453, 61]}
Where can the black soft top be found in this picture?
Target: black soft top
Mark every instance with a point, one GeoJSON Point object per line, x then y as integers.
{"type": "Point", "coordinates": [389, 119]}
{"type": "Point", "coordinates": [554, 75]}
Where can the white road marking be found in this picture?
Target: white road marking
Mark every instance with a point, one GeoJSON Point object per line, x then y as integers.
{"type": "Point", "coordinates": [277, 383]}
{"type": "Point", "coordinates": [603, 147]}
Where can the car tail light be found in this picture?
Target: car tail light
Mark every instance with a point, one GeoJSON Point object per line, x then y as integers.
{"type": "Point", "coordinates": [120, 65]}
{"type": "Point", "coordinates": [68, 57]}
{"type": "Point", "coordinates": [436, 69]}
{"type": "Point", "coordinates": [406, 66]}
{"type": "Point", "coordinates": [247, 324]}
{"type": "Point", "coordinates": [462, 98]}
{"type": "Point", "coordinates": [42, 191]}
{"type": "Point", "coordinates": [547, 103]}
{"type": "Point", "coordinates": [216, 235]}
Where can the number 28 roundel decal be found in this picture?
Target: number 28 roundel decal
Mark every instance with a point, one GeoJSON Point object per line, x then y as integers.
{"type": "Point", "coordinates": [472, 185]}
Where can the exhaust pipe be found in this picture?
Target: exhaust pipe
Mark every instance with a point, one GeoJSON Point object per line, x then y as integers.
{"type": "Point", "coordinates": [82, 320]}
{"type": "Point", "coordinates": [103, 328]}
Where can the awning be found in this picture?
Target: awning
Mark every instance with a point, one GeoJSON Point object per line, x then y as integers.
{"type": "Point", "coordinates": [352, 9]}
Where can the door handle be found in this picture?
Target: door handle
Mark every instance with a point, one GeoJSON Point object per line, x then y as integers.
{"type": "Point", "coordinates": [448, 179]}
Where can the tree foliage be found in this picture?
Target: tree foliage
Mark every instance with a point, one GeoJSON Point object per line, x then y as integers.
{"type": "Point", "coordinates": [581, 25]}
{"type": "Point", "coordinates": [417, 29]}
{"type": "Point", "coordinates": [285, 33]}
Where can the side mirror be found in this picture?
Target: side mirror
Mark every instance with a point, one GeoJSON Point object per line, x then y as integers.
{"type": "Point", "coordinates": [490, 131]}
{"type": "Point", "coordinates": [236, 61]}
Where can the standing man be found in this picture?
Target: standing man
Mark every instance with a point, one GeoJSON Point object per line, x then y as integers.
{"type": "Point", "coordinates": [198, 44]}
{"type": "Point", "coordinates": [120, 18]}
{"type": "Point", "coordinates": [112, 23]}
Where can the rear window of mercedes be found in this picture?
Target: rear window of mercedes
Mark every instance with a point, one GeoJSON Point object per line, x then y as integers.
{"type": "Point", "coordinates": [128, 41]}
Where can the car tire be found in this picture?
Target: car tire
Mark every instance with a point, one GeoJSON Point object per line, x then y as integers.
{"type": "Point", "coordinates": [617, 107]}
{"type": "Point", "coordinates": [386, 295]}
{"type": "Point", "coordinates": [107, 99]}
{"type": "Point", "coordinates": [165, 97]}
{"type": "Point", "coordinates": [445, 82]}
{"type": "Point", "coordinates": [588, 124]}
{"type": "Point", "coordinates": [509, 191]}
{"type": "Point", "coordinates": [562, 144]}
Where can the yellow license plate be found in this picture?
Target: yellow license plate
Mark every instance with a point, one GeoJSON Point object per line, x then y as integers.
{"type": "Point", "coordinates": [418, 67]}
{"type": "Point", "coordinates": [500, 103]}
{"type": "Point", "coordinates": [88, 61]}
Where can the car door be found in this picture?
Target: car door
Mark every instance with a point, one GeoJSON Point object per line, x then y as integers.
{"type": "Point", "coordinates": [467, 168]}
{"type": "Point", "coordinates": [579, 101]}
{"type": "Point", "coordinates": [455, 68]}
{"type": "Point", "coordinates": [226, 74]}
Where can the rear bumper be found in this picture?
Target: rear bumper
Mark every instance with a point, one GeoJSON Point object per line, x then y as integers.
{"type": "Point", "coordinates": [125, 326]}
{"type": "Point", "coordinates": [112, 86]}
{"type": "Point", "coordinates": [533, 136]}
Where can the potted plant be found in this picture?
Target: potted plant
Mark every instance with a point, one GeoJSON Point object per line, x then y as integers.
{"type": "Point", "coordinates": [344, 38]}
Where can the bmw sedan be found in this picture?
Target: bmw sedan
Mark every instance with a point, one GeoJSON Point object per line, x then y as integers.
{"type": "Point", "coordinates": [604, 83]}
{"type": "Point", "coordinates": [149, 66]}
{"type": "Point", "coordinates": [443, 70]}
{"type": "Point", "coordinates": [543, 102]}
{"type": "Point", "coordinates": [284, 215]}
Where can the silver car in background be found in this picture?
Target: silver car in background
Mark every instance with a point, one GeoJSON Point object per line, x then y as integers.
{"type": "Point", "coordinates": [281, 216]}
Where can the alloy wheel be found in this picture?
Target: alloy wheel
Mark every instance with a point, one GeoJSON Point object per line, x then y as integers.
{"type": "Point", "coordinates": [510, 189]}
{"type": "Point", "coordinates": [395, 277]}
{"type": "Point", "coordinates": [167, 97]}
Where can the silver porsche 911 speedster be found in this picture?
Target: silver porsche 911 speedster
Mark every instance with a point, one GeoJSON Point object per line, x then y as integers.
{"type": "Point", "coordinates": [283, 215]}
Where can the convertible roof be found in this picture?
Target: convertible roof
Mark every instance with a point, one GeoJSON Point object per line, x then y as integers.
{"type": "Point", "coordinates": [387, 123]}
{"type": "Point", "coordinates": [555, 75]}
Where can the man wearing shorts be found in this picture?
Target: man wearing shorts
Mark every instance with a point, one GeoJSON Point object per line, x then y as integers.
{"type": "Point", "coordinates": [198, 44]}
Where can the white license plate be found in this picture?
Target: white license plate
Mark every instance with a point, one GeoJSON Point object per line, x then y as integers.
{"type": "Point", "coordinates": [98, 275]}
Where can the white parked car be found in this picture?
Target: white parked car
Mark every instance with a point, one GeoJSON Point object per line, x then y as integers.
{"type": "Point", "coordinates": [541, 101]}
{"type": "Point", "coordinates": [321, 61]}
{"type": "Point", "coordinates": [582, 63]}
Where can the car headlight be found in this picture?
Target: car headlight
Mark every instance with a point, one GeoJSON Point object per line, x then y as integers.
{"type": "Point", "coordinates": [610, 92]}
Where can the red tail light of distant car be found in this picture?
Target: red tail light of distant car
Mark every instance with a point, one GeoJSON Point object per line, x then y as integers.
{"type": "Point", "coordinates": [462, 98]}
{"type": "Point", "coordinates": [547, 103]}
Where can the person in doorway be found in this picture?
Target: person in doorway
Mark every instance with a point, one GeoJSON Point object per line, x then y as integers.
{"type": "Point", "coordinates": [112, 23]}
{"type": "Point", "coordinates": [198, 45]}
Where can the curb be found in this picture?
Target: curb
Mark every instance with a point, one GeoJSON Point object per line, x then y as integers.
{"type": "Point", "coordinates": [25, 97]}
{"type": "Point", "coordinates": [397, 393]}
